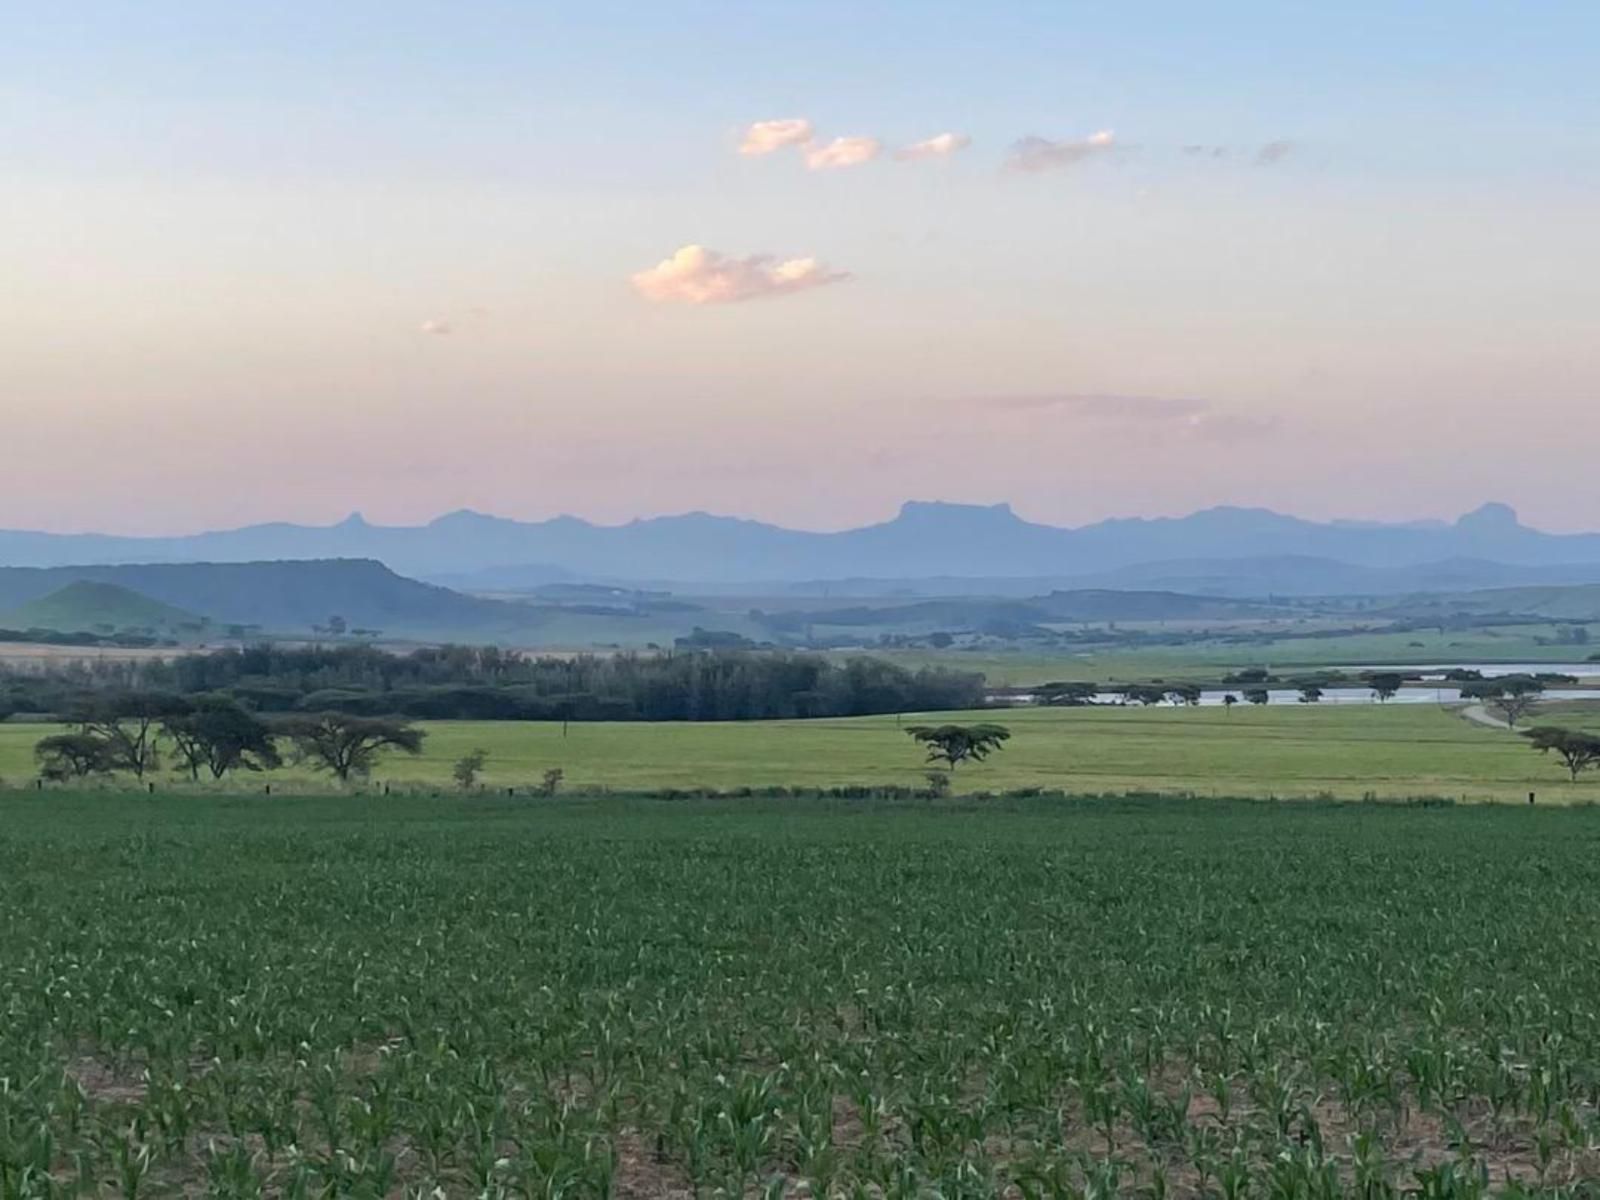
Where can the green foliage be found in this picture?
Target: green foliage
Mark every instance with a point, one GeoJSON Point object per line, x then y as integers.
{"type": "Point", "coordinates": [1385, 684]}
{"type": "Point", "coordinates": [65, 756]}
{"type": "Point", "coordinates": [128, 723]}
{"type": "Point", "coordinates": [487, 683]}
{"type": "Point", "coordinates": [468, 767]}
{"type": "Point", "coordinates": [1577, 750]}
{"type": "Point", "coordinates": [1512, 696]}
{"type": "Point", "coordinates": [347, 746]}
{"type": "Point", "coordinates": [956, 744]}
{"type": "Point", "coordinates": [219, 736]}
{"type": "Point", "coordinates": [1035, 999]}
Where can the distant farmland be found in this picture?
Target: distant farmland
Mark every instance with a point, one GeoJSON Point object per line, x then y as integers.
{"type": "Point", "coordinates": [1346, 751]}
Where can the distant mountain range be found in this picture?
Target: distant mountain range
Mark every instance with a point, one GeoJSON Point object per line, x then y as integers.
{"type": "Point", "coordinates": [1218, 551]}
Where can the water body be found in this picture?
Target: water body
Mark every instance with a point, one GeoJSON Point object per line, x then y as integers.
{"type": "Point", "coordinates": [1583, 670]}
{"type": "Point", "coordinates": [1423, 693]}
{"type": "Point", "coordinates": [1362, 695]}
{"type": "Point", "coordinates": [1333, 695]}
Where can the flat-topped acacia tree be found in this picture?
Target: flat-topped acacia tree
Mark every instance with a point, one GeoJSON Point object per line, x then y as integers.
{"type": "Point", "coordinates": [1577, 750]}
{"type": "Point", "coordinates": [346, 745]}
{"type": "Point", "coordinates": [956, 744]}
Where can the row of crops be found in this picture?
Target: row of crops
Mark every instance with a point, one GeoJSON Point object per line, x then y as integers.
{"type": "Point", "coordinates": [633, 998]}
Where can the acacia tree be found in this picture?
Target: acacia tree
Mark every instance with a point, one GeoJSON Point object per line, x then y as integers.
{"type": "Point", "coordinates": [64, 756]}
{"type": "Point", "coordinates": [1513, 698]}
{"type": "Point", "coordinates": [128, 723]}
{"type": "Point", "coordinates": [347, 745]}
{"type": "Point", "coordinates": [956, 744]}
{"type": "Point", "coordinates": [1385, 684]}
{"type": "Point", "coordinates": [1310, 693]}
{"type": "Point", "coordinates": [1579, 751]}
{"type": "Point", "coordinates": [220, 736]}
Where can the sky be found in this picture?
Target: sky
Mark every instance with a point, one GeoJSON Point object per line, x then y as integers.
{"type": "Point", "coordinates": [799, 262]}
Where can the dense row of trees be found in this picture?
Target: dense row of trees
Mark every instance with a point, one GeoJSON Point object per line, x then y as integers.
{"type": "Point", "coordinates": [487, 683]}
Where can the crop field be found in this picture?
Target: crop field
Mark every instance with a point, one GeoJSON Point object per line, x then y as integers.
{"type": "Point", "coordinates": [412, 997]}
{"type": "Point", "coordinates": [1346, 751]}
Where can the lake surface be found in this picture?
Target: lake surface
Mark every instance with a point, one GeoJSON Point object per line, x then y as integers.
{"type": "Point", "coordinates": [1583, 670]}
{"type": "Point", "coordinates": [1423, 693]}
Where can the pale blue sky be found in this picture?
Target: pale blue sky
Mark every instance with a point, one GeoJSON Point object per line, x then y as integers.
{"type": "Point", "coordinates": [225, 230]}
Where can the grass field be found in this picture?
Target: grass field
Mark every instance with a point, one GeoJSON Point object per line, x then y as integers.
{"type": "Point", "coordinates": [1346, 751]}
{"type": "Point", "coordinates": [355, 997]}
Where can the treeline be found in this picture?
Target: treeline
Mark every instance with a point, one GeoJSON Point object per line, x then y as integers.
{"type": "Point", "coordinates": [488, 683]}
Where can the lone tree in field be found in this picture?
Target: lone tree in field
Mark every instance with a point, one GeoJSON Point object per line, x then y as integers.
{"type": "Point", "coordinates": [1258, 695]}
{"type": "Point", "coordinates": [956, 744]}
{"type": "Point", "coordinates": [65, 756]}
{"type": "Point", "coordinates": [1579, 751]}
{"type": "Point", "coordinates": [128, 723]}
{"type": "Point", "coordinates": [467, 769]}
{"type": "Point", "coordinates": [1513, 698]}
{"type": "Point", "coordinates": [1385, 684]}
{"type": "Point", "coordinates": [219, 736]}
{"type": "Point", "coordinates": [1310, 694]}
{"type": "Point", "coordinates": [347, 745]}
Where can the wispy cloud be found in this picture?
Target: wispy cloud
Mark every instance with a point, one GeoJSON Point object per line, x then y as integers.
{"type": "Point", "coordinates": [436, 327]}
{"type": "Point", "coordinates": [1273, 152]}
{"type": "Point", "coordinates": [941, 145]}
{"type": "Point", "coordinates": [841, 152]}
{"type": "Point", "coordinates": [1100, 405]}
{"type": "Point", "coordinates": [765, 137]}
{"type": "Point", "coordinates": [696, 275]}
{"type": "Point", "coordinates": [1032, 154]}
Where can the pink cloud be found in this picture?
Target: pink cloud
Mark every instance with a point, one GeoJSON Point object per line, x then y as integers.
{"type": "Point", "coordinates": [841, 152]}
{"type": "Point", "coordinates": [1041, 154]}
{"type": "Point", "coordinates": [765, 137]}
{"type": "Point", "coordinates": [941, 145]}
{"type": "Point", "coordinates": [696, 275]}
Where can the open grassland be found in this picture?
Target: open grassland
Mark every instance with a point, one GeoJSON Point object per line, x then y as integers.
{"type": "Point", "coordinates": [515, 998]}
{"type": "Point", "coordinates": [1347, 751]}
{"type": "Point", "coordinates": [1212, 659]}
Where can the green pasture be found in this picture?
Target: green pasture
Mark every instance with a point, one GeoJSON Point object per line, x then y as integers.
{"type": "Point", "coordinates": [1345, 751]}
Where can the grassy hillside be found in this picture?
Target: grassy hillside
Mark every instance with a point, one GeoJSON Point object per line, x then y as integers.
{"type": "Point", "coordinates": [1579, 602]}
{"type": "Point", "coordinates": [288, 597]}
{"type": "Point", "coordinates": [1347, 752]}
{"type": "Point", "coordinates": [85, 605]}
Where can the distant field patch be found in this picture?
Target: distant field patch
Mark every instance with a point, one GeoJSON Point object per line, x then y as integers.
{"type": "Point", "coordinates": [1292, 751]}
